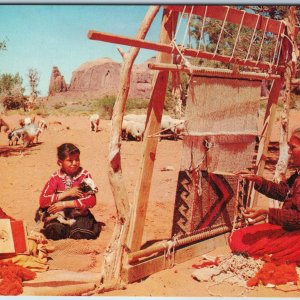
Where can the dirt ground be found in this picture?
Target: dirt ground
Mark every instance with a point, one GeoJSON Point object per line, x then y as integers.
{"type": "Point", "coordinates": [24, 173]}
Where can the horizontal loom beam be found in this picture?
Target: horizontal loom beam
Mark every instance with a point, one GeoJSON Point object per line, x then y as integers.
{"type": "Point", "coordinates": [234, 16]}
{"type": "Point", "coordinates": [133, 42]}
{"type": "Point", "coordinates": [212, 71]}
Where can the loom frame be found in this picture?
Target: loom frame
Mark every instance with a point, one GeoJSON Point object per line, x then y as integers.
{"type": "Point", "coordinates": [136, 265]}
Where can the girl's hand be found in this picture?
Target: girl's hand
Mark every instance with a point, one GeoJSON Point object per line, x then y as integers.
{"type": "Point", "coordinates": [56, 207]}
{"type": "Point", "coordinates": [72, 192]}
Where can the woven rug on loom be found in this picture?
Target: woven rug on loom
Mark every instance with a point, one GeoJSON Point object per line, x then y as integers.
{"type": "Point", "coordinates": [221, 120]}
{"type": "Point", "coordinates": [267, 239]}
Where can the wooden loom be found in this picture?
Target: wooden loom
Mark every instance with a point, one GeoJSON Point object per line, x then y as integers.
{"type": "Point", "coordinates": [134, 263]}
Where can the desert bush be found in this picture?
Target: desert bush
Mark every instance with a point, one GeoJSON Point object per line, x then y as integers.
{"type": "Point", "coordinates": [59, 105]}
{"type": "Point", "coordinates": [14, 102]}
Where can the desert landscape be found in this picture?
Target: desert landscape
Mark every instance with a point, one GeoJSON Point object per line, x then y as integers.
{"type": "Point", "coordinates": [26, 170]}
{"type": "Point", "coordinates": [67, 63]}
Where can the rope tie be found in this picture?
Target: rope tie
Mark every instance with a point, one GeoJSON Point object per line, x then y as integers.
{"type": "Point", "coordinates": [275, 50]}
{"type": "Point", "coordinates": [252, 38]}
{"type": "Point", "coordinates": [262, 41]}
{"type": "Point", "coordinates": [237, 37]}
{"type": "Point", "coordinates": [217, 46]}
{"type": "Point", "coordinates": [184, 8]}
{"type": "Point", "coordinates": [237, 202]}
{"type": "Point", "coordinates": [187, 25]}
{"type": "Point", "coordinates": [202, 28]}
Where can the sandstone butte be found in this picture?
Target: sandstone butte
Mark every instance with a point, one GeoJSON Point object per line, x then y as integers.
{"type": "Point", "coordinates": [101, 77]}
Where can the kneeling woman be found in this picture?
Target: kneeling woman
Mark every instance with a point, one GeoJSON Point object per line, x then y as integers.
{"type": "Point", "coordinates": [66, 199]}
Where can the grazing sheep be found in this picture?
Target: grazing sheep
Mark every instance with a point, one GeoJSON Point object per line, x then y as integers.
{"type": "Point", "coordinates": [136, 118]}
{"type": "Point", "coordinates": [94, 122]}
{"type": "Point", "coordinates": [26, 121]}
{"type": "Point", "coordinates": [133, 130]}
{"type": "Point", "coordinates": [30, 133]}
{"type": "Point", "coordinates": [3, 124]}
{"type": "Point", "coordinates": [14, 136]}
{"type": "Point", "coordinates": [172, 128]}
{"type": "Point", "coordinates": [42, 124]}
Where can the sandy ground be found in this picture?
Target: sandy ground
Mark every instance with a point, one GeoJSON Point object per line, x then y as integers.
{"type": "Point", "coordinates": [24, 173]}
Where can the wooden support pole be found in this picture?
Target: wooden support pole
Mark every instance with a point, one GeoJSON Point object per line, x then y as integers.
{"type": "Point", "coordinates": [214, 72]}
{"type": "Point", "coordinates": [168, 48]}
{"type": "Point", "coordinates": [269, 120]}
{"type": "Point", "coordinates": [154, 115]}
{"type": "Point", "coordinates": [114, 254]}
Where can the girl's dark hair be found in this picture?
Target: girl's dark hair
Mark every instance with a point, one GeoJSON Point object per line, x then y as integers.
{"type": "Point", "coordinates": [66, 149]}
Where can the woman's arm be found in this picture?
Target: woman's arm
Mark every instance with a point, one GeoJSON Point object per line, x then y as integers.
{"type": "Point", "coordinates": [277, 191]}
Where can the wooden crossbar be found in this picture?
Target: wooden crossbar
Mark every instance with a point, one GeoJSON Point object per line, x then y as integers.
{"type": "Point", "coordinates": [123, 40]}
{"type": "Point", "coordinates": [234, 16]}
{"type": "Point", "coordinates": [212, 71]}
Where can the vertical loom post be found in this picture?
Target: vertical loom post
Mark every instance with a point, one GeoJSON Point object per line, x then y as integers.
{"type": "Point", "coordinates": [154, 115]}
{"type": "Point", "coordinates": [265, 139]}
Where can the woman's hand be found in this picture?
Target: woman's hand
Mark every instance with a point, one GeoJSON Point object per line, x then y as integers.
{"type": "Point", "coordinates": [251, 177]}
{"type": "Point", "coordinates": [254, 216]}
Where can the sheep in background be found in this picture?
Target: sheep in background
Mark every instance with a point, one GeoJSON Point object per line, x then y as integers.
{"type": "Point", "coordinates": [42, 124]}
{"type": "Point", "coordinates": [26, 121]}
{"type": "Point", "coordinates": [3, 124]}
{"type": "Point", "coordinates": [172, 127]}
{"type": "Point", "coordinates": [134, 130]}
{"type": "Point", "coordinates": [31, 132]}
{"type": "Point", "coordinates": [94, 122]}
{"type": "Point", "coordinates": [14, 136]}
{"type": "Point", "coordinates": [136, 118]}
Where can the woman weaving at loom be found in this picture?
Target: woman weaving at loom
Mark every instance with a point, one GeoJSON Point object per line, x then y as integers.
{"type": "Point", "coordinates": [280, 237]}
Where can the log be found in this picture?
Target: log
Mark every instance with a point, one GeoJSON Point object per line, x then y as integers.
{"type": "Point", "coordinates": [168, 48]}
{"type": "Point", "coordinates": [164, 245]}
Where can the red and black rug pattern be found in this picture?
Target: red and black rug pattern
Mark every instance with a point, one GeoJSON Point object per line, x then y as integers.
{"type": "Point", "coordinates": [206, 200]}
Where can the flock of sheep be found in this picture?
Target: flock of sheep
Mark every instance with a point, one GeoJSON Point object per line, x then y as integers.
{"type": "Point", "coordinates": [133, 128]}
{"type": "Point", "coordinates": [28, 131]}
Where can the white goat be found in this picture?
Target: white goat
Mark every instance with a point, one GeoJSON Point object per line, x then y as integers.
{"type": "Point", "coordinates": [94, 122]}
{"type": "Point", "coordinates": [30, 133]}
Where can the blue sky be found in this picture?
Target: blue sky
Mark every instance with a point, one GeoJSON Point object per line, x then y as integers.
{"type": "Point", "coordinates": [43, 36]}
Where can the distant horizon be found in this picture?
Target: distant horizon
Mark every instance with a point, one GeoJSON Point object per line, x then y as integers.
{"type": "Point", "coordinates": [43, 36]}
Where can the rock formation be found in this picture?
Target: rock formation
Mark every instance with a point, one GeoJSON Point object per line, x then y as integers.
{"type": "Point", "coordinates": [57, 82]}
{"type": "Point", "coordinates": [101, 77]}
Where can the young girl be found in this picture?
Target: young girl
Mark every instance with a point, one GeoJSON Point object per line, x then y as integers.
{"type": "Point", "coordinates": [66, 201]}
